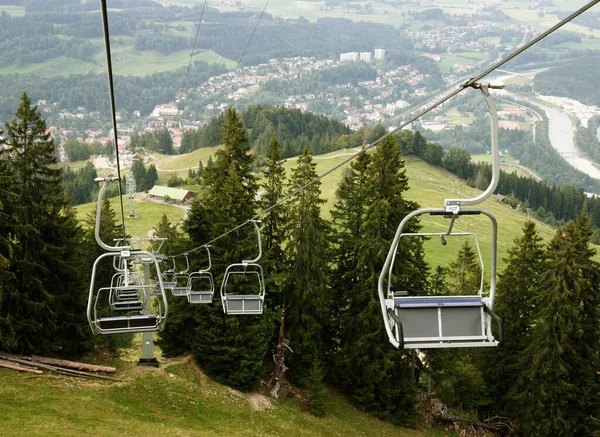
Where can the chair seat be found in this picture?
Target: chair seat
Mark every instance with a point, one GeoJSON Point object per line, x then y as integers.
{"type": "Point", "coordinates": [137, 323]}
{"type": "Point", "coordinates": [128, 306]}
{"type": "Point", "coordinates": [200, 297]}
{"type": "Point", "coordinates": [243, 304]}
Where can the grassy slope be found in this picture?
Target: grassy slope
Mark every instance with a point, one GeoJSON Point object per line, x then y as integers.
{"type": "Point", "coordinates": [149, 214]}
{"type": "Point", "coordinates": [176, 400]}
{"type": "Point", "coordinates": [429, 187]}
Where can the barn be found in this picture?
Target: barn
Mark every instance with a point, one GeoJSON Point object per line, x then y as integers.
{"type": "Point", "coordinates": [174, 195]}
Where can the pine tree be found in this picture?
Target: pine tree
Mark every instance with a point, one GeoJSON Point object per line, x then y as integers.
{"type": "Point", "coordinates": [465, 272]}
{"type": "Point", "coordinates": [375, 374]}
{"type": "Point", "coordinates": [515, 304]}
{"type": "Point", "coordinates": [229, 348]}
{"type": "Point", "coordinates": [307, 292]}
{"type": "Point", "coordinates": [557, 388]}
{"type": "Point", "coordinates": [45, 272]}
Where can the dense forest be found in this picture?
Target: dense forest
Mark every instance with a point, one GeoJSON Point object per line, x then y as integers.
{"type": "Point", "coordinates": [321, 281]}
{"type": "Point", "coordinates": [572, 80]}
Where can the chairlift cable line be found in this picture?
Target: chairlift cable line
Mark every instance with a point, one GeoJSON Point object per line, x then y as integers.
{"type": "Point", "coordinates": [111, 90]}
{"type": "Point", "coordinates": [193, 48]}
{"type": "Point", "coordinates": [469, 83]}
{"type": "Point", "coordinates": [252, 35]}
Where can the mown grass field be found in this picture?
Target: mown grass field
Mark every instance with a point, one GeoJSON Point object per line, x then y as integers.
{"type": "Point", "coordinates": [429, 186]}
{"type": "Point", "coordinates": [175, 400]}
{"type": "Point", "coordinates": [148, 214]}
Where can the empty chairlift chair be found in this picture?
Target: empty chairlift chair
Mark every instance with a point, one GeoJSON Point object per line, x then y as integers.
{"type": "Point", "coordinates": [201, 287]}
{"type": "Point", "coordinates": [248, 276]}
{"type": "Point", "coordinates": [415, 321]}
{"type": "Point", "coordinates": [180, 280]}
{"type": "Point", "coordinates": [105, 317]}
{"type": "Point", "coordinates": [168, 278]}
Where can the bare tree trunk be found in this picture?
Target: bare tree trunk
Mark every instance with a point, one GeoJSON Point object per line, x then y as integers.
{"type": "Point", "coordinates": [72, 365]}
{"type": "Point", "coordinates": [281, 384]}
{"type": "Point", "coordinates": [12, 366]}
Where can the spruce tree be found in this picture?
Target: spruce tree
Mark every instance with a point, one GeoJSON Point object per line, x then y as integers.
{"type": "Point", "coordinates": [307, 293]}
{"type": "Point", "coordinates": [557, 389]}
{"type": "Point", "coordinates": [375, 374]}
{"type": "Point", "coordinates": [229, 348]}
{"type": "Point", "coordinates": [465, 271]}
{"type": "Point", "coordinates": [45, 289]}
{"type": "Point", "coordinates": [515, 304]}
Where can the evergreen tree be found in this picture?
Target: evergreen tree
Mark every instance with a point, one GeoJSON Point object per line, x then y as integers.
{"type": "Point", "coordinates": [229, 348]}
{"type": "Point", "coordinates": [515, 303]}
{"type": "Point", "coordinates": [44, 290]}
{"type": "Point", "coordinates": [307, 292]}
{"type": "Point", "coordinates": [179, 319]}
{"type": "Point", "coordinates": [138, 171]}
{"type": "Point", "coordinates": [465, 271]}
{"type": "Point", "coordinates": [151, 178]}
{"type": "Point", "coordinates": [557, 388]}
{"type": "Point", "coordinates": [376, 375]}
{"type": "Point", "coordinates": [273, 223]}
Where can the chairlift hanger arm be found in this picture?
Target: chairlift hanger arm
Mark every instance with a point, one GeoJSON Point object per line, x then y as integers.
{"type": "Point", "coordinates": [107, 180]}
{"type": "Point", "coordinates": [453, 205]}
{"type": "Point", "coordinates": [255, 260]}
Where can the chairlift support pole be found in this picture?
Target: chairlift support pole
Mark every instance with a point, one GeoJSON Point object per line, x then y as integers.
{"type": "Point", "coordinates": [147, 358]}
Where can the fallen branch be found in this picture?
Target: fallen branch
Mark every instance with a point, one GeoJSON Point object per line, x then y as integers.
{"type": "Point", "coordinates": [8, 365]}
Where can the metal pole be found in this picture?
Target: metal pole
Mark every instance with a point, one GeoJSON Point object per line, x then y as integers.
{"type": "Point", "coordinates": [148, 358]}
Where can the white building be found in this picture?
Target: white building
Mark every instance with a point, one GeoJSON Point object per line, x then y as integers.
{"type": "Point", "coordinates": [166, 109]}
{"type": "Point", "coordinates": [365, 56]}
{"type": "Point", "coordinates": [379, 54]}
{"type": "Point", "coordinates": [349, 57]}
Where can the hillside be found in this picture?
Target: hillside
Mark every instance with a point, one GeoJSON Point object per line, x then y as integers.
{"type": "Point", "coordinates": [175, 400]}
{"type": "Point", "coordinates": [429, 187]}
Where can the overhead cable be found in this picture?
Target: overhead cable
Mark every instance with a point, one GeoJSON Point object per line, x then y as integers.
{"type": "Point", "coordinates": [252, 35]}
{"type": "Point", "coordinates": [193, 48]}
{"type": "Point", "coordinates": [469, 83]}
{"type": "Point", "coordinates": [111, 90]}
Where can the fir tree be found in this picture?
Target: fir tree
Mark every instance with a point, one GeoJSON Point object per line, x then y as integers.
{"type": "Point", "coordinates": [307, 292]}
{"type": "Point", "coordinates": [465, 272]}
{"type": "Point", "coordinates": [46, 272]}
{"type": "Point", "coordinates": [376, 375]}
{"type": "Point", "coordinates": [557, 388]}
{"type": "Point", "coordinates": [273, 222]}
{"type": "Point", "coordinates": [515, 303]}
{"type": "Point", "coordinates": [230, 348]}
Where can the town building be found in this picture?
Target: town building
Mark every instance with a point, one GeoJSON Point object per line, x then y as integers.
{"type": "Point", "coordinates": [365, 56]}
{"type": "Point", "coordinates": [349, 57]}
{"type": "Point", "coordinates": [379, 54]}
{"type": "Point", "coordinates": [165, 109]}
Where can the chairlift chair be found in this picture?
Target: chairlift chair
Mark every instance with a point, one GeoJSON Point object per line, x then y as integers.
{"type": "Point", "coordinates": [200, 286]}
{"type": "Point", "coordinates": [247, 269]}
{"type": "Point", "coordinates": [181, 280]}
{"type": "Point", "coordinates": [117, 323]}
{"type": "Point", "coordinates": [422, 322]}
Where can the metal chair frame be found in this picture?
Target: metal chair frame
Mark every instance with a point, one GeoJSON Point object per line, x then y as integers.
{"type": "Point", "coordinates": [202, 275]}
{"type": "Point", "coordinates": [245, 304]}
{"type": "Point", "coordinates": [421, 322]}
{"type": "Point", "coordinates": [120, 256]}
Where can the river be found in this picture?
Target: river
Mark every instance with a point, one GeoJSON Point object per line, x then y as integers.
{"type": "Point", "coordinates": [560, 132]}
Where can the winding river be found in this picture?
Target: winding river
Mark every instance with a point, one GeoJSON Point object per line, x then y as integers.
{"type": "Point", "coordinates": [561, 137]}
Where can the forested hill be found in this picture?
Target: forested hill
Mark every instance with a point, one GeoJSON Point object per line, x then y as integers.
{"type": "Point", "coordinates": [89, 90]}
{"type": "Point", "coordinates": [293, 128]}
{"type": "Point", "coordinates": [572, 80]}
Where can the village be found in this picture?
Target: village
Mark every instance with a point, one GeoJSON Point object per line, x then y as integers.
{"type": "Point", "coordinates": [355, 104]}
